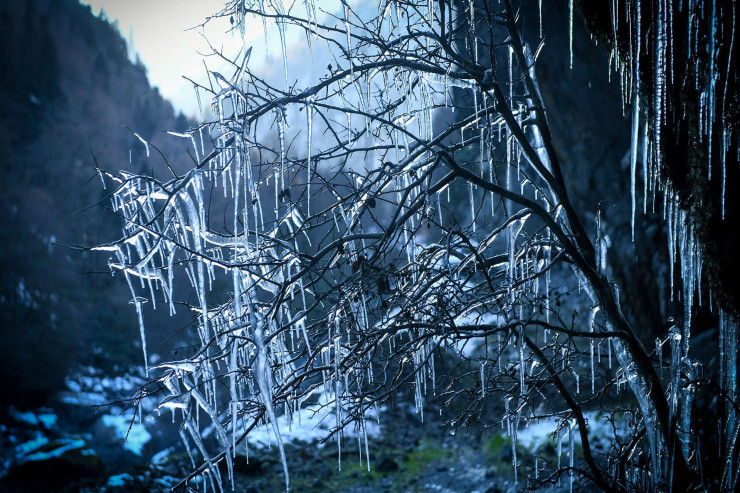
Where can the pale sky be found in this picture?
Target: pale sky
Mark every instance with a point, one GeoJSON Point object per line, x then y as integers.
{"type": "Point", "coordinates": [170, 42]}
{"type": "Point", "coordinates": [165, 45]}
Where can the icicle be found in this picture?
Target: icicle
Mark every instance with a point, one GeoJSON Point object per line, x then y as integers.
{"type": "Point", "coordinates": [279, 173]}
{"type": "Point", "coordinates": [263, 375]}
{"type": "Point", "coordinates": [724, 185]}
{"type": "Point", "coordinates": [473, 34]}
{"type": "Point", "coordinates": [659, 79]}
{"type": "Point", "coordinates": [349, 37]}
{"type": "Point", "coordinates": [192, 428]}
{"type": "Point", "coordinates": [602, 245]}
{"type": "Point", "coordinates": [472, 205]}
{"type": "Point", "coordinates": [592, 322]}
{"type": "Point", "coordinates": [713, 75]}
{"type": "Point", "coordinates": [146, 144]}
{"type": "Point", "coordinates": [694, 375]}
{"type": "Point", "coordinates": [311, 17]}
{"type": "Point", "coordinates": [728, 343]}
{"type": "Point", "coordinates": [560, 447]}
{"type": "Point", "coordinates": [511, 75]}
{"type": "Point", "coordinates": [633, 156]}
{"type": "Point", "coordinates": [309, 118]}
{"type": "Point", "coordinates": [483, 378]}
{"type": "Point", "coordinates": [675, 339]}
{"type": "Point", "coordinates": [727, 132]}
{"type": "Point", "coordinates": [571, 452]}
{"type": "Point", "coordinates": [137, 305]}
{"type": "Point", "coordinates": [364, 435]}
{"type": "Point", "coordinates": [570, 30]}
{"type": "Point", "coordinates": [481, 144]}
{"type": "Point", "coordinates": [540, 12]}
{"type": "Point", "coordinates": [522, 364]}
{"type": "Point", "coordinates": [283, 46]}
{"type": "Point", "coordinates": [512, 426]}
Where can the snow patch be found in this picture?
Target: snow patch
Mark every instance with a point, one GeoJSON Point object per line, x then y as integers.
{"type": "Point", "coordinates": [537, 432]}
{"type": "Point", "coordinates": [31, 445]}
{"type": "Point", "coordinates": [119, 480]}
{"type": "Point", "coordinates": [310, 424]}
{"type": "Point", "coordinates": [48, 420]}
{"type": "Point", "coordinates": [134, 435]}
{"type": "Point", "coordinates": [26, 417]}
{"type": "Point", "coordinates": [66, 446]}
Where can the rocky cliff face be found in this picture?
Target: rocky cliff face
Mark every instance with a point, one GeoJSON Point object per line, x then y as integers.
{"type": "Point", "coordinates": [69, 100]}
{"type": "Point", "coordinates": [682, 57]}
{"type": "Point", "coordinates": [591, 132]}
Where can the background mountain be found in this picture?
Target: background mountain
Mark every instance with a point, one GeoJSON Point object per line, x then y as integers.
{"type": "Point", "coordinates": [68, 97]}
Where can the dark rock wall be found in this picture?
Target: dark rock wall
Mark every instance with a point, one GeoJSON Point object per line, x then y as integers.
{"type": "Point", "coordinates": [591, 133]}
{"type": "Point", "coordinates": [701, 71]}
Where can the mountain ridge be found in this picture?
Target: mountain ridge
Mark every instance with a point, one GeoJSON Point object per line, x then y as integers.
{"type": "Point", "coordinates": [71, 100]}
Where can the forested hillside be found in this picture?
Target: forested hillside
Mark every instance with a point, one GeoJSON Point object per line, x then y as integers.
{"type": "Point", "coordinates": [69, 96]}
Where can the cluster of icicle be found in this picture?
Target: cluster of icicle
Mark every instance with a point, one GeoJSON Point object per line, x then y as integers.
{"type": "Point", "coordinates": [683, 246]}
{"type": "Point", "coordinates": [166, 229]}
{"type": "Point", "coordinates": [259, 349]}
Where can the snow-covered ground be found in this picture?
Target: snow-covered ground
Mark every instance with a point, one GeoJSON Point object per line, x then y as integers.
{"type": "Point", "coordinates": [311, 424]}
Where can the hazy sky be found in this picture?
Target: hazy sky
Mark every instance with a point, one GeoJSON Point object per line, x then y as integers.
{"type": "Point", "coordinates": [169, 38]}
{"type": "Point", "coordinates": [165, 45]}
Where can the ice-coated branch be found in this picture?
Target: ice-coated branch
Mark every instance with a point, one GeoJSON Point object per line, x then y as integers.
{"type": "Point", "coordinates": [340, 236]}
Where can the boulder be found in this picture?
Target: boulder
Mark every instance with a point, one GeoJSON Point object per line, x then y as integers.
{"type": "Point", "coordinates": [59, 464]}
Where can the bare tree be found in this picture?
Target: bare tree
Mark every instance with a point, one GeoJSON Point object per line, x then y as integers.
{"type": "Point", "coordinates": [370, 229]}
